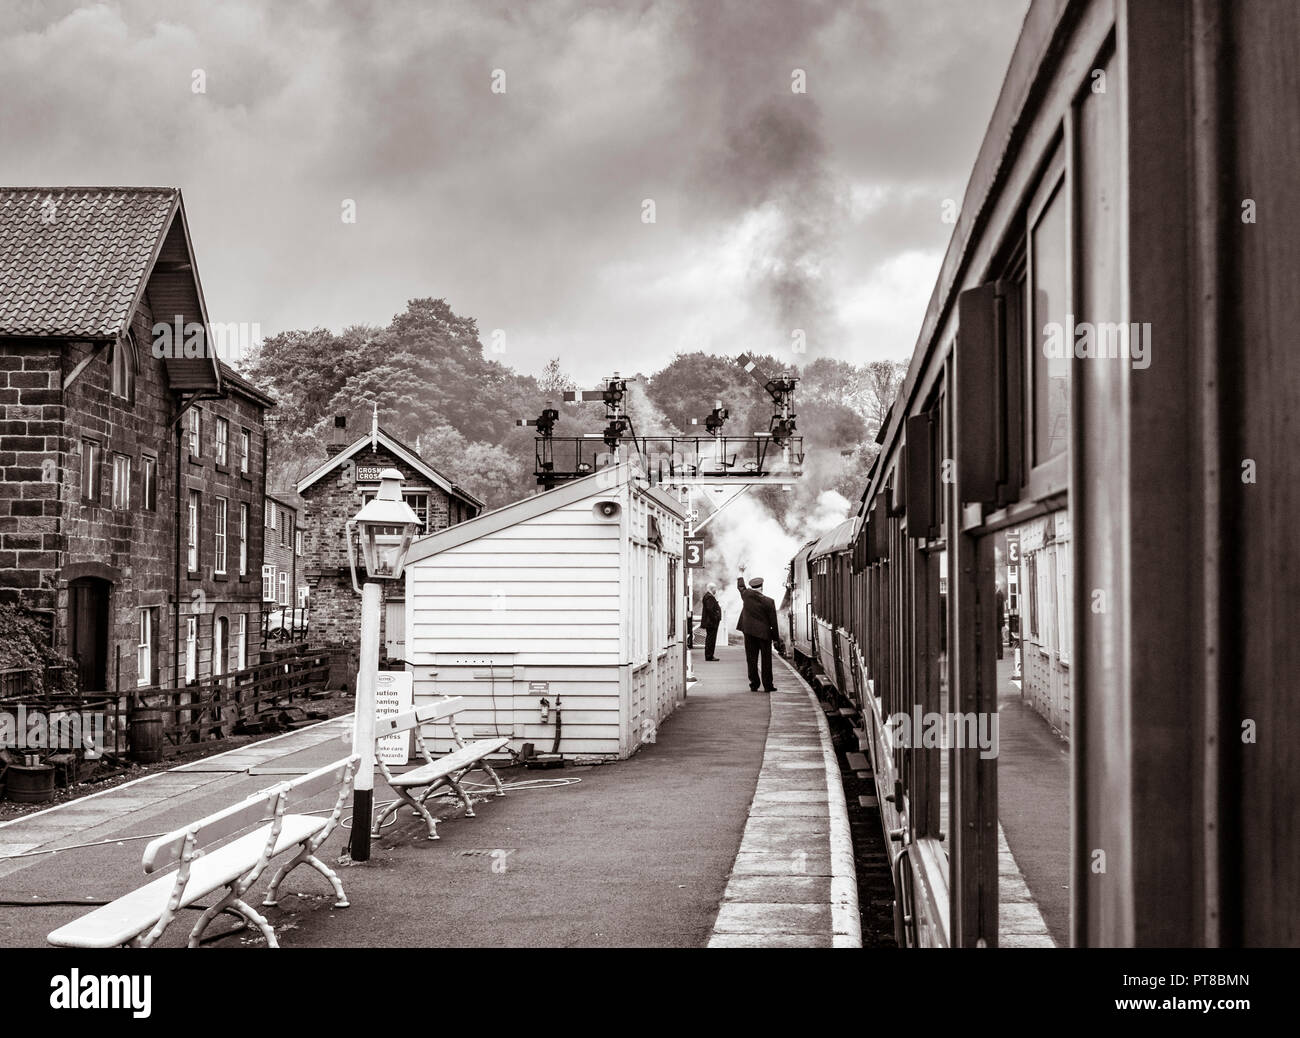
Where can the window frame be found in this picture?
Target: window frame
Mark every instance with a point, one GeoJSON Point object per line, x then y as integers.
{"type": "Point", "coordinates": [219, 537]}
{"type": "Point", "coordinates": [144, 648]}
{"type": "Point", "coordinates": [245, 448]}
{"type": "Point", "coordinates": [220, 645]}
{"type": "Point", "coordinates": [241, 655]}
{"type": "Point", "coordinates": [193, 530]}
{"type": "Point", "coordinates": [243, 538]}
{"type": "Point", "coordinates": [91, 495]}
{"type": "Point", "coordinates": [124, 359]}
{"type": "Point", "coordinates": [191, 648]}
{"type": "Point", "coordinates": [221, 440]}
{"type": "Point", "coordinates": [268, 582]}
{"type": "Point", "coordinates": [148, 483]}
{"type": "Point", "coordinates": [195, 434]}
{"type": "Point", "coordinates": [120, 498]}
{"type": "Point", "coordinates": [1042, 479]}
{"type": "Point", "coordinates": [283, 579]}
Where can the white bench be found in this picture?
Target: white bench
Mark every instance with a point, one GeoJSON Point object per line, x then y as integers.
{"type": "Point", "coordinates": [434, 774]}
{"type": "Point", "coordinates": [139, 918]}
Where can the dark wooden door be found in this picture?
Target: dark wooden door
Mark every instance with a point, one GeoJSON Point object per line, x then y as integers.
{"type": "Point", "coordinates": [88, 629]}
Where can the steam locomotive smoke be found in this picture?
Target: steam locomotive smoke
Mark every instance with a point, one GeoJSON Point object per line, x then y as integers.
{"type": "Point", "coordinates": [766, 156]}
{"type": "Point", "coordinates": [747, 532]}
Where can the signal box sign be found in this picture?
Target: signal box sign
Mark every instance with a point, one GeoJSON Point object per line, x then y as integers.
{"type": "Point", "coordinates": [393, 695]}
{"type": "Point", "coordinates": [368, 473]}
{"type": "Point", "coordinates": [693, 552]}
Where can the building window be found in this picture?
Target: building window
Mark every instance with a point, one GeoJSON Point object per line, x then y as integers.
{"type": "Point", "coordinates": [268, 583]}
{"type": "Point", "coordinates": [222, 439]}
{"type": "Point", "coordinates": [193, 541]}
{"type": "Point", "coordinates": [420, 506]}
{"type": "Point", "coordinates": [297, 542]}
{"type": "Point", "coordinates": [90, 472]}
{"type": "Point", "coordinates": [219, 541]}
{"type": "Point", "coordinates": [284, 587]}
{"type": "Point", "coordinates": [1049, 302]}
{"type": "Point", "coordinates": [123, 384]}
{"type": "Point", "coordinates": [191, 648]}
{"type": "Point", "coordinates": [220, 628]}
{"type": "Point", "coordinates": [149, 483]}
{"type": "Point", "coordinates": [121, 481]}
{"type": "Point", "coordinates": [302, 596]}
{"type": "Point", "coordinates": [195, 428]}
{"type": "Point", "coordinates": [144, 650]}
{"type": "Point", "coordinates": [284, 528]}
{"type": "Point", "coordinates": [243, 539]}
{"type": "Point", "coordinates": [241, 651]}
{"type": "Point", "coordinates": [244, 440]}
{"type": "Point", "coordinates": [270, 516]}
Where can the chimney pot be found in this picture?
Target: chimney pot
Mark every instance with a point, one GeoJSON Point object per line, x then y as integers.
{"type": "Point", "coordinates": [338, 439]}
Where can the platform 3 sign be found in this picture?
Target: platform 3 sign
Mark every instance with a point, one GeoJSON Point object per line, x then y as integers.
{"type": "Point", "coordinates": [693, 552]}
{"type": "Point", "coordinates": [393, 695]}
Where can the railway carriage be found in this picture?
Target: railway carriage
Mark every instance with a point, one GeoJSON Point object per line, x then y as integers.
{"type": "Point", "coordinates": [1103, 390]}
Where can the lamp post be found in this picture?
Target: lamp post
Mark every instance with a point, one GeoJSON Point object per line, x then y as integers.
{"type": "Point", "coordinates": [386, 526]}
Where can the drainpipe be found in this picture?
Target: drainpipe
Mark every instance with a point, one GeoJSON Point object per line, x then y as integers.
{"type": "Point", "coordinates": [176, 578]}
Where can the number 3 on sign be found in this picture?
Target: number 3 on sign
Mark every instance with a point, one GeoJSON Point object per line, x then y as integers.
{"type": "Point", "coordinates": [693, 549]}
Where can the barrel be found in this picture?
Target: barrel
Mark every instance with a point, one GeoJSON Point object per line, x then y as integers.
{"type": "Point", "coordinates": [146, 734]}
{"type": "Point", "coordinates": [30, 783]}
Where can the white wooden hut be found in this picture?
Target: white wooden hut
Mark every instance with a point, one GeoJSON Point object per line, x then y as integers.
{"type": "Point", "coordinates": [574, 596]}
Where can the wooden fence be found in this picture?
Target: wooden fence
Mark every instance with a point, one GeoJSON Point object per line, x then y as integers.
{"type": "Point", "coordinates": [210, 709]}
{"type": "Point", "coordinates": [217, 707]}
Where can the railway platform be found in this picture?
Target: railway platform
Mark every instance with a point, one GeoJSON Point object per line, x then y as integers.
{"type": "Point", "coordinates": [720, 832]}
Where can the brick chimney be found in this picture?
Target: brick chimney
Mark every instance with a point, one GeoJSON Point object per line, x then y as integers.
{"type": "Point", "coordinates": [338, 440]}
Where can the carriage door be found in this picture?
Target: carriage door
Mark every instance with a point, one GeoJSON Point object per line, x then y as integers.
{"type": "Point", "coordinates": [88, 631]}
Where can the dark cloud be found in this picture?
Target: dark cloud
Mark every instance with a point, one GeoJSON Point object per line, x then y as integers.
{"type": "Point", "coordinates": [774, 210]}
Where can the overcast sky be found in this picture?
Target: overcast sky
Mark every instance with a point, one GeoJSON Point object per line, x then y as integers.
{"type": "Point", "coordinates": [773, 210]}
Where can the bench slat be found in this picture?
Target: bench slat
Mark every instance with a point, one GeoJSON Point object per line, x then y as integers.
{"type": "Point", "coordinates": [316, 782]}
{"type": "Point", "coordinates": [132, 914]}
{"type": "Point", "coordinates": [404, 722]}
{"type": "Point", "coordinates": [164, 850]}
{"type": "Point", "coordinates": [452, 762]}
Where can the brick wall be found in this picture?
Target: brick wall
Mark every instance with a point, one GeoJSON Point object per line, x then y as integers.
{"type": "Point", "coordinates": [31, 416]}
{"type": "Point", "coordinates": [279, 549]}
{"type": "Point", "coordinates": [209, 596]}
{"type": "Point", "coordinates": [329, 504]}
{"type": "Point", "coordinates": [50, 536]}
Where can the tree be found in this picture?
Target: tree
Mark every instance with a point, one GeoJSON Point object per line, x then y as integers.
{"type": "Point", "coordinates": [554, 381]}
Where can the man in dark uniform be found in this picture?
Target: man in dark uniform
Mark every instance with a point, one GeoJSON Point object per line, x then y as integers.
{"type": "Point", "coordinates": [710, 618]}
{"type": "Point", "coordinates": [759, 624]}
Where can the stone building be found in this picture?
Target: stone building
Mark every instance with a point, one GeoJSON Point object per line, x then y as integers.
{"type": "Point", "coordinates": [282, 583]}
{"type": "Point", "coordinates": [333, 494]}
{"type": "Point", "coordinates": [127, 456]}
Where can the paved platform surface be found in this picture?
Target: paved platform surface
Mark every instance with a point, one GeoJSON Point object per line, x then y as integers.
{"type": "Point", "coordinates": [793, 884]}
{"type": "Point", "coordinates": [1033, 824]}
{"type": "Point", "coordinates": [644, 852]}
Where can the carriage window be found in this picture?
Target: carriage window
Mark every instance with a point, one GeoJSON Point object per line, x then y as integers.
{"type": "Point", "coordinates": [1053, 340]}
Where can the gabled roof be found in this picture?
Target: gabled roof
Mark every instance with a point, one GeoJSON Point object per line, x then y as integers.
{"type": "Point", "coordinates": [71, 259]}
{"type": "Point", "coordinates": [232, 379]}
{"type": "Point", "coordinates": [605, 482]}
{"type": "Point", "coordinates": [400, 450]}
{"type": "Point", "coordinates": [502, 518]}
{"type": "Point", "coordinates": [74, 263]}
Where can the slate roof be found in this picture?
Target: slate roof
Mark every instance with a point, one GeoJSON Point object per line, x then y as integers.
{"type": "Point", "coordinates": [72, 259]}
